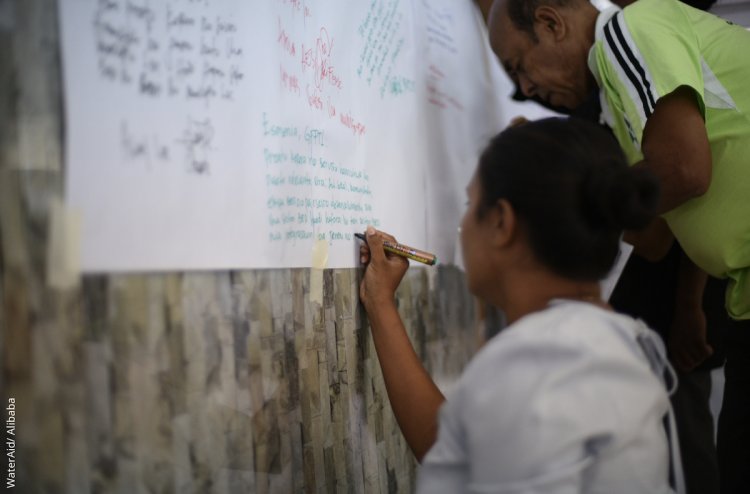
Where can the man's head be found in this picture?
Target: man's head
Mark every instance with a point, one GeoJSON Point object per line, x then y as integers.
{"type": "Point", "coordinates": [543, 46]}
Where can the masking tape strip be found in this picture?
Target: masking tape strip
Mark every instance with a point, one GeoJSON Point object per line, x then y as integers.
{"type": "Point", "coordinates": [318, 264]}
{"type": "Point", "coordinates": [63, 247]}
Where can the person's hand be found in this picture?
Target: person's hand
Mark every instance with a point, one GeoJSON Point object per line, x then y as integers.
{"type": "Point", "coordinates": [652, 242]}
{"type": "Point", "coordinates": [688, 347]}
{"type": "Point", "coordinates": [383, 270]}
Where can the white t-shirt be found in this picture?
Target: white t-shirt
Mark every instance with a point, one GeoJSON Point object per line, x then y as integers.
{"type": "Point", "coordinates": [562, 401]}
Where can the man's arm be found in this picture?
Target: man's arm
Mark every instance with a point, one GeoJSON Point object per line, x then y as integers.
{"type": "Point", "coordinates": [688, 346]}
{"type": "Point", "coordinates": [652, 242]}
{"type": "Point", "coordinates": [676, 149]}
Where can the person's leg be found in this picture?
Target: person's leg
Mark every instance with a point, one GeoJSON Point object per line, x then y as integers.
{"type": "Point", "coordinates": [695, 427]}
{"type": "Point", "coordinates": [734, 419]}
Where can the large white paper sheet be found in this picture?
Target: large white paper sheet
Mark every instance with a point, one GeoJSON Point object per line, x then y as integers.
{"type": "Point", "coordinates": [212, 134]}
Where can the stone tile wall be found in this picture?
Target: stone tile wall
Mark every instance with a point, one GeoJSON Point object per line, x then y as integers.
{"type": "Point", "coordinates": [186, 382]}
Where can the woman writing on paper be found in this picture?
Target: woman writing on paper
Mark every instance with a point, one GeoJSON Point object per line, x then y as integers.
{"type": "Point", "coordinates": [569, 397]}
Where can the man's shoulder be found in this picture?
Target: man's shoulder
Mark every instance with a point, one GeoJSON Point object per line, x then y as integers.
{"type": "Point", "coordinates": [644, 11]}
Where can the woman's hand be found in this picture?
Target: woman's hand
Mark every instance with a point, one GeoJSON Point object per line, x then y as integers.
{"type": "Point", "coordinates": [414, 397]}
{"type": "Point", "coordinates": [383, 270]}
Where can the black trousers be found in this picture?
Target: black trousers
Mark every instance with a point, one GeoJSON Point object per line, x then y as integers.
{"type": "Point", "coordinates": [733, 440]}
{"type": "Point", "coordinates": [646, 290]}
{"type": "Point", "coordinates": [695, 428]}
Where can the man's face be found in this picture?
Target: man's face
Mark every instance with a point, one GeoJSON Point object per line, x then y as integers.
{"type": "Point", "coordinates": [545, 67]}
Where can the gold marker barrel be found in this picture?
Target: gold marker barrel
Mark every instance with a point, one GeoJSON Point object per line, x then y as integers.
{"type": "Point", "coordinates": [405, 251]}
{"type": "Point", "coordinates": [410, 253]}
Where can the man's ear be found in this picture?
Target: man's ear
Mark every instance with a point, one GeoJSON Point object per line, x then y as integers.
{"type": "Point", "coordinates": [504, 223]}
{"type": "Point", "coordinates": [549, 22]}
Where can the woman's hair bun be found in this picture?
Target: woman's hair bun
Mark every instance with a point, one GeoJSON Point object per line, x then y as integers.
{"type": "Point", "coordinates": [571, 188]}
{"type": "Point", "coordinates": [620, 198]}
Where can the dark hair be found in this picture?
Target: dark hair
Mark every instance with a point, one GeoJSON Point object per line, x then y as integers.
{"type": "Point", "coordinates": [521, 12]}
{"type": "Point", "coordinates": [570, 187]}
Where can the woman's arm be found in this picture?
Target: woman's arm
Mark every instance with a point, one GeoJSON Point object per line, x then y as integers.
{"type": "Point", "coordinates": [414, 397]}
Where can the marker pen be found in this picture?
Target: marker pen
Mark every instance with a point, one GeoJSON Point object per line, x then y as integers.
{"type": "Point", "coordinates": [405, 251]}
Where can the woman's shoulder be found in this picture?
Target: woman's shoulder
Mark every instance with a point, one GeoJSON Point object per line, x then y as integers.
{"type": "Point", "coordinates": [565, 336]}
{"type": "Point", "coordinates": [555, 383]}
{"type": "Point", "coordinates": [562, 364]}
{"type": "Point", "coordinates": [565, 324]}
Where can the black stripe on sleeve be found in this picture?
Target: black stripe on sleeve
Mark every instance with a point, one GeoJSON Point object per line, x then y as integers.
{"type": "Point", "coordinates": [631, 56]}
{"type": "Point", "coordinates": [629, 73]}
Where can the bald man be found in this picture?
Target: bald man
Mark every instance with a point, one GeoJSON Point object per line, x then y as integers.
{"type": "Point", "coordinates": [674, 91]}
{"type": "Point", "coordinates": [673, 87]}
